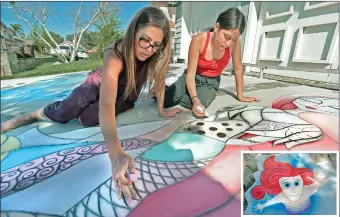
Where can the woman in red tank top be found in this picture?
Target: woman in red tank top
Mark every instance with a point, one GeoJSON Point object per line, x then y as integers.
{"type": "Point", "coordinates": [209, 54]}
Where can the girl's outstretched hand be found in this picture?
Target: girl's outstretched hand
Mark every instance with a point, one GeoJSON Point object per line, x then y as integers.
{"type": "Point", "coordinates": [248, 99]}
{"type": "Point", "coordinates": [171, 112]}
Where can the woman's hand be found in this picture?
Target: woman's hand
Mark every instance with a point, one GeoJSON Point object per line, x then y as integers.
{"type": "Point", "coordinates": [198, 108]}
{"type": "Point", "coordinates": [248, 99]}
{"type": "Point", "coordinates": [121, 163]}
{"type": "Point", "coordinates": [171, 112]}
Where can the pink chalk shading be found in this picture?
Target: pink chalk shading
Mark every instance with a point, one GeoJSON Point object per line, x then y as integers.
{"type": "Point", "coordinates": [187, 198]}
{"type": "Point", "coordinates": [232, 209]}
{"type": "Point", "coordinates": [226, 169]}
{"type": "Point", "coordinates": [285, 103]}
{"type": "Point", "coordinates": [132, 177]}
{"type": "Point", "coordinates": [247, 136]}
{"type": "Point", "coordinates": [215, 188]}
{"type": "Point", "coordinates": [327, 123]}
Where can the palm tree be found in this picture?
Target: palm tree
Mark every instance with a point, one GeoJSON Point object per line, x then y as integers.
{"type": "Point", "coordinates": [17, 28]}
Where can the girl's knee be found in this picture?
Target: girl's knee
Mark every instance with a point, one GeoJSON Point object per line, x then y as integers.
{"type": "Point", "coordinates": [207, 102]}
{"type": "Point", "coordinates": [186, 102]}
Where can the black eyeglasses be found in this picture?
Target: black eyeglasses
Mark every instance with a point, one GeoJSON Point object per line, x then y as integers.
{"type": "Point", "coordinates": [144, 43]}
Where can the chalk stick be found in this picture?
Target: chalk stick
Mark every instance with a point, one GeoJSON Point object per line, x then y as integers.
{"type": "Point", "coordinates": [206, 114]}
{"type": "Point", "coordinates": [200, 108]}
{"type": "Point", "coordinates": [132, 177]}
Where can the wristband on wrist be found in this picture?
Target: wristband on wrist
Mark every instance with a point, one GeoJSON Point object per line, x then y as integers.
{"type": "Point", "coordinates": [193, 97]}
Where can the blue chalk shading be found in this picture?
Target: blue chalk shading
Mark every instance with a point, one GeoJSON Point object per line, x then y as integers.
{"type": "Point", "coordinates": [185, 147]}
{"type": "Point", "coordinates": [23, 155]}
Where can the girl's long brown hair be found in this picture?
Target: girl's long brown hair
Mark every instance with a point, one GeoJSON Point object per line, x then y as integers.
{"type": "Point", "coordinates": [158, 64]}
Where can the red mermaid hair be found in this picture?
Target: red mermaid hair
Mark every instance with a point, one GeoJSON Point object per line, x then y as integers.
{"type": "Point", "coordinates": [273, 171]}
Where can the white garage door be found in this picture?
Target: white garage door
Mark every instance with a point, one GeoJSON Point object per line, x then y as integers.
{"type": "Point", "coordinates": [297, 34]}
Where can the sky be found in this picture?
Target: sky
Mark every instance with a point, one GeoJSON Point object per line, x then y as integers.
{"type": "Point", "coordinates": [61, 21]}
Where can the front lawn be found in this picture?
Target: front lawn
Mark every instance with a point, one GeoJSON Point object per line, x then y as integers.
{"type": "Point", "coordinates": [49, 69]}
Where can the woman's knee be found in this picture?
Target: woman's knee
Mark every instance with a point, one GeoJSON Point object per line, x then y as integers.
{"type": "Point", "coordinates": [57, 112]}
{"type": "Point", "coordinates": [88, 122]}
{"type": "Point", "coordinates": [90, 115]}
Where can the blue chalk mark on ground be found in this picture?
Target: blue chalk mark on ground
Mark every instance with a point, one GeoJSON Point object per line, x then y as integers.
{"type": "Point", "coordinates": [23, 155]}
{"type": "Point", "coordinates": [185, 147]}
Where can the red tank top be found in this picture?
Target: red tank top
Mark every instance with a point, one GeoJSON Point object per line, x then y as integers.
{"type": "Point", "coordinates": [212, 68]}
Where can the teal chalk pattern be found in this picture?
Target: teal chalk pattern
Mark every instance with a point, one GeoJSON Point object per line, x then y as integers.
{"type": "Point", "coordinates": [185, 147]}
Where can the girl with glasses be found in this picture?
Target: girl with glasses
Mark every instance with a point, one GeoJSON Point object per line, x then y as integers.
{"type": "Point", "coordinates": [209, 54]}
{"type": "Point", "coordinates": [141, 56]}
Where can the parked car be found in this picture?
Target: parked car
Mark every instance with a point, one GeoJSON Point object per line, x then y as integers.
{"type": "Point", "coordinates": [82, 54]}
{"type": "Point", "coordinates": [67, 50]}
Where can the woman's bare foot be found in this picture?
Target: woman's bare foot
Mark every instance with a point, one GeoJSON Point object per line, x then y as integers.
{"type": "Point", "coordinates": [5, 127]}
{"type": "Point", "coordinates": [2, 129]}
{"type": "Point", "coordinates": [22, 120]}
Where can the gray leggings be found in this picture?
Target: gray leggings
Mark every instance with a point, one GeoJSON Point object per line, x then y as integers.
{"type": "Point", "coordinates": [177, 93]}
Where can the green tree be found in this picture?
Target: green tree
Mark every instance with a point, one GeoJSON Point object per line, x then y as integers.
{"type": "Point", "coordinates": [17, 28]}
{"type": "Point", "coordinates": [88, 41]}
{"type": "Point", "coordinates": [57, 38]}
{"type": "Point", "coordinates": [40, 45]}
{"type": "Point", "coordinates": [108, 27]}
{"type": "Point", "coordinates": [69, 37]}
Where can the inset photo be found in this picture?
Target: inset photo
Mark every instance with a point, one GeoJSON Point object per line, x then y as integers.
{"type": "Point", "coordinates": [290, 183]}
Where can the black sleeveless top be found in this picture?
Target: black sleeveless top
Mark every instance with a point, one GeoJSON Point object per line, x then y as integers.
{"type": "Point", "coordinates": [140, 79]}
